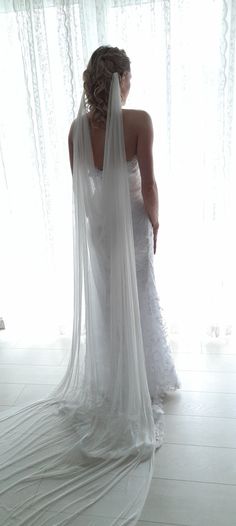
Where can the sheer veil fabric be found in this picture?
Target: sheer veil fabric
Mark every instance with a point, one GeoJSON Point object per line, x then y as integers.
{"type": "Point", "coordinates": [92, 440]}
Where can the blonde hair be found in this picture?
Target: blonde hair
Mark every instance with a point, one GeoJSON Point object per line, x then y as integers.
{"type": "Point", "coordinates": [105, 61]}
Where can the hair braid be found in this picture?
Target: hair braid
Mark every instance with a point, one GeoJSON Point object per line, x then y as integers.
{"type": "Point", "coordinates": [105, 61]}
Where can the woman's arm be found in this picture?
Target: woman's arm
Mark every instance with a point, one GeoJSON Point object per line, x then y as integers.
{"type": "Point", "coordinates": [70, 145]}
{"type": "Point", "coordinates": [145, 160]}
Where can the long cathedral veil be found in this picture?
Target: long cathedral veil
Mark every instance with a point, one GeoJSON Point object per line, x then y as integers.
{"type": "Point", "coordinates": [92, 440]}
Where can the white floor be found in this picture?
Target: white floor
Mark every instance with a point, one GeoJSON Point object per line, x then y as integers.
{"type": "Point", "coordinates": [194, 482]}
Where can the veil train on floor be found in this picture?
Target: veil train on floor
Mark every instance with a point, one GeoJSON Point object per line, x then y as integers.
{"type": "Point", "coordinates": [91, 442]}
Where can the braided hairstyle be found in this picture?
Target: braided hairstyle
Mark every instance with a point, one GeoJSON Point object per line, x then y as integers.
{"type": "Point", "coordinates": [105, 61]}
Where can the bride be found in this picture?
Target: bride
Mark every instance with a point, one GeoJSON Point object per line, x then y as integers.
{"type": "Point", "coordinates": [87, 450]}
{"type": "Point", "coordinates": [138, 140]}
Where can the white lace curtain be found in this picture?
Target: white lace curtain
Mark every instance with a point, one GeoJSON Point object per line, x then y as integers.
{"type": "Point", "coordinates": [183, 66]}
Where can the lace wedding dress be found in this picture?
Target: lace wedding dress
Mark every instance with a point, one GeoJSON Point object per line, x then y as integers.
{"type": "Point", "coordinates": [160, 369]}
{"type": "Point", "coordinates": [84, 454]}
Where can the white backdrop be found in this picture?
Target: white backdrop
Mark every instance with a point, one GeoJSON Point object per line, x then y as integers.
{"type": "Point", "coordinates": [183, 66]}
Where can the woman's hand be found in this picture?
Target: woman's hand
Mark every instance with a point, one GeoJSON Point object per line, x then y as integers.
{"type": "Point", "coordinates": [155, 231]}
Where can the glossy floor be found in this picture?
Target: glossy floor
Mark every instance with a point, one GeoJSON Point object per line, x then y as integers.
{"type": "Point", "coordinates": [194, 481]}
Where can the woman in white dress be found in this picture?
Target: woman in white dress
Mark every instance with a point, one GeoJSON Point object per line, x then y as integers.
{"type": "Point", "coordinates": [86, 452]}
{"type": "Point", "coordinates": [138, 138]}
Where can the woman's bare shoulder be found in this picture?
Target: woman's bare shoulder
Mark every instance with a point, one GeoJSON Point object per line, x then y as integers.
{"type": "Point", "coordinates": [136, 116]}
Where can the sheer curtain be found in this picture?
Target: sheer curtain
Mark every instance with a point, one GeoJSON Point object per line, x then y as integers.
{"type": "Point", "coordinates": [183, 66]}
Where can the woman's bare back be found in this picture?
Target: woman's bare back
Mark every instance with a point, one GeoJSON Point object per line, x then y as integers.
{"type": "Point", "coordinates": [131, 120]}
{"type": "Point", "coordinates": [138, 138]}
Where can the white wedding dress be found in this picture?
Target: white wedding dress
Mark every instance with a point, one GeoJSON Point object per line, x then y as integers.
{"type": "Point", "coordinates": [160, 369]}
{"type": "Point", "coordinates": [85, 454]}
